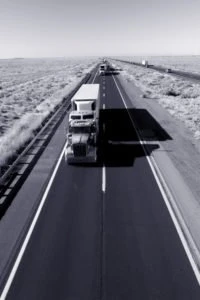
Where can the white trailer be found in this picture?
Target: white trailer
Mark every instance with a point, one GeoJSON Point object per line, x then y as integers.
{"type": "Point", "coordinates": [87, 99]}
{"type": "Point", "coordinates": [145, 63]}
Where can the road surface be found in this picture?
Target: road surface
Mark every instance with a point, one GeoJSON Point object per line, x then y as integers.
{"type": "Point", "coordinates": [104, 231]}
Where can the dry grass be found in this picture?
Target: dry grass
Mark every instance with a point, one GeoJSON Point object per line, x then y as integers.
{"type": "Point", "coordinates": [179, 97]}
{"type": "Point", "coordinates": [183, 63]}
{"type": "Point", "coordinates": [29, 91]}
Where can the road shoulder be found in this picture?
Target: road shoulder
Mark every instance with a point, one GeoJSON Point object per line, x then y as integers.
{"type": "Point", "coordinates": [176, 158]}
{"type": "Point", "coordinates": [18, 216]}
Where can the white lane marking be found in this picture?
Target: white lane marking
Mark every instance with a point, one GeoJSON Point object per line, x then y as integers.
{"type": "Point", "coordinates": [169, 207]}
{"type": "Point", "coordinates": [95, 76]}
{"type": "Point", "coordinates": [104, 106]}
{"type": "Point", "coordinates": [104, 168]}
{"type": "Point", "coordinates": [103, 179]}
{"type": "Point", "coordinates": [30, 231]}
{"type": "Point", "coordinates": [104, 94]}
{"type": "Point", "coordinates": [104, 87]}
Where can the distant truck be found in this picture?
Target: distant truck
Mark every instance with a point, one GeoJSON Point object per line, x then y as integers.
{"type": "Point", "coordinates": [145, 63]}
{"type": "Point", "coordinates": [82, 135]}
{"type": "Point", "coordinates": [102, 69]}
{"type": "Point", "coordinates": [168, 70]}
{"type": "Point", "coordinates": [105, 68]}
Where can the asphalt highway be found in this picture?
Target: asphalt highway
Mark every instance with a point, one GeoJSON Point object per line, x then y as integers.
{"type": "Point", "coordinates": [104, 232]}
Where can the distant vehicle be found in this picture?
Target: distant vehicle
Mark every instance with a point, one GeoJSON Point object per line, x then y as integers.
{"type": "Point", "coordinates": [145, 63]}
{"type": "Point", "coordinates": [106, 68]}
{"type": "Point", "coordinates": [168, 70]}
{"type": "Point", "coordinates": [102, 69]}
{"type": "Point", "coordinates": [82, 135]}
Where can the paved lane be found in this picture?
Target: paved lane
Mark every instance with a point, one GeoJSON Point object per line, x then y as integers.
{"type": "Point", "coordinates": [62, 260]}
{"type": "Point", "coordinates": [143, 255]}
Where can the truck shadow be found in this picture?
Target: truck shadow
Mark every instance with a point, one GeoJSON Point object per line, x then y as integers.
{"type": "Point", "coordinates": [110, 73]}
{"type": "Point", "coordinates": [118, 139]}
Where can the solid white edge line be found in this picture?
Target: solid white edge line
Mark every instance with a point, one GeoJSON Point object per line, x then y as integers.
{"type": "Point", "coordinates": [179, 216]}
{"type": "Point", "coordinates": [104, 168]}
{"type": "Point", "coordinates": [171, 212]}
{"type": "Point", "coordinates": [95, 76]}
{"type": "Point", "coordinates": [30, 231]}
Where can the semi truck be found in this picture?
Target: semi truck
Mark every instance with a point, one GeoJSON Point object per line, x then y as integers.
{"type": "Point", "coordinates": [83, 127]}
{"type": "Point", "coordinates": [105, 69]}
{"type": "Point", "coordinates": [102, 69]}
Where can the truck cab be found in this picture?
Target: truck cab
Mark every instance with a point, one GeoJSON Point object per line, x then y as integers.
{"type": "Point", "coordinates": [81, 142]}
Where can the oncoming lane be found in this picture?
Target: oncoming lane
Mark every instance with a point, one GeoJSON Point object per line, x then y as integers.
{"type": "Point", "coordinates": [143, 255]}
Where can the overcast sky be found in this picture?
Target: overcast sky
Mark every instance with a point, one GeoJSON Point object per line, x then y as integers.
{"type": "Point", "coordinates": [49, 28]}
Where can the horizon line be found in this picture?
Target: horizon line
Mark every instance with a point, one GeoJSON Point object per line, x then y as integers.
{"type": "Point", "coordinates": [75, 56]}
